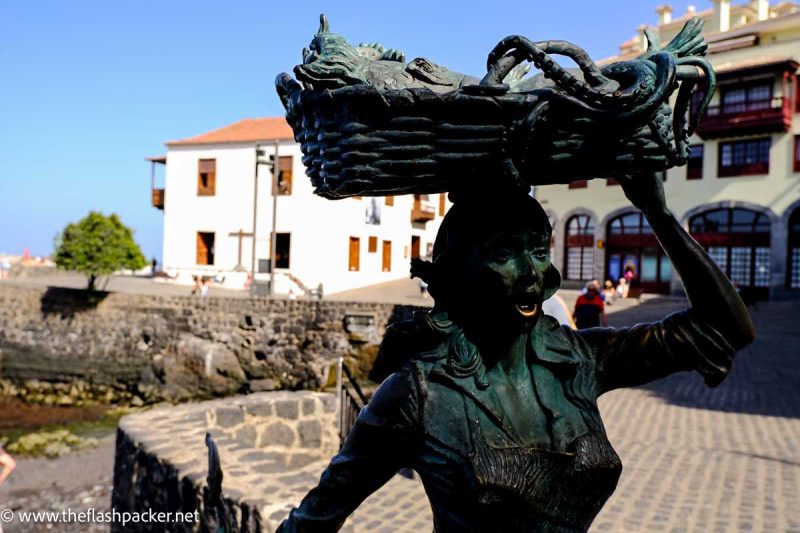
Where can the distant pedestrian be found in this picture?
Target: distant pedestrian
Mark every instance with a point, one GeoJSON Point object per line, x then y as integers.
{"type": "Point", "coordinates": [629, 275]}
{"type": "Point", "coordinates": [609, 292]}
{"type": "Point", "coordinates": [622, 288]}
{"type": "Point", "coordinates": [197, 283]}
{"type": "Point", "coordinates": [153, 265]}
{"type": "Point", "coordinates": [8, 464]}
{"type": "Point", "coordinates": [204, 283]}
{"type": "Point", "coordinates": [423, 289]}
{"type": "Point", "coordinates": [590, 311]}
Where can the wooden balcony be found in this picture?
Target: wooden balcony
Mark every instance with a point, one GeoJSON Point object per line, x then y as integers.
{"type": "Point", "coordinates": [422, 213]}
{"type": "Point", "coordinates": [158, 198]}
{"type": "Point", "coordinates": [750, 118]}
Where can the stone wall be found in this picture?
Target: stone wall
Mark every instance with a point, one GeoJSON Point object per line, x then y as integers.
{"type": "Point", "coordinates": [149, 348]}
{"type": "Point", "coordinates": [272, 448]}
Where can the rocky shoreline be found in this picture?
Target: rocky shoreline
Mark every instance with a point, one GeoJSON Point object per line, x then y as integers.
{"type": "Point", "coordinates": [59, 347]}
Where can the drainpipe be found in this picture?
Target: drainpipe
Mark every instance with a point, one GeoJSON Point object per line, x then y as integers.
{"type": "Point", "coordinates": [273, 245]}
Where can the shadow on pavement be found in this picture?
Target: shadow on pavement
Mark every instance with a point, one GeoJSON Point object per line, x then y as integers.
{"type": "Point", "coordinates": [765, 379]}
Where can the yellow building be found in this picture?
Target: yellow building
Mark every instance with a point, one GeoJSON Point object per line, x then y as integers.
{"type": "Point", "coordinates": [739, 195]}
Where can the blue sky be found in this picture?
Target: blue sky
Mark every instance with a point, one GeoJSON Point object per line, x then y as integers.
{"type": "Point", "coordinates": [90, 88]}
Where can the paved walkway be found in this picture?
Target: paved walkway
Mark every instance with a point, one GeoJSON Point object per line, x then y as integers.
{"type": "Point", "coordinates": [696, 459]}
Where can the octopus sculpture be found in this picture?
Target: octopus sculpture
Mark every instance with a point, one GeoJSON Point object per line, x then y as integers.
{"type": "Point", "coordinates": [371, 124]}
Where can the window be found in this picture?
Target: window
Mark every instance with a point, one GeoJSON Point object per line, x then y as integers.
{"type": "Point", "coordinates": [372, 211]}
{"type": "Point", "coordinates": [206, 177]}
{"type": "Point", "coordinates": [205, 248]}
{"type": "Point", "coordinates": [284, 187]}
{"type": "Point", "coordinates": [738, 241]}
{"type": "Point", "coordinates": [387, 256]}
{"type": "Point", "coordinates": [694, 167]}
{"type": "Point", "coordinates": [390, 200]}
{"type": "Point", "coordinates": [579, 248]}
{"type": "Point", "coordinates": [630, 224]}
{"type": "Point", "coordinates": [415, 246]}
{"type": "Point", "coordinates": [741, 99]}
{"type": "Point", "coordinates": [372, 244]}
{"type": "Point", "coordinates": [797, 153]}
{"type": "Point", "coordinates": [793, 277]}
{"type": "Point", "coordinates": [578, 184]}
{"type": "Point", "coordinates": [282, 249]}
{"type": "Point", "coordinates": [797, 93]}
{"type": "Point", "coordinates": [744, 158]}
{"type": "Point", "coordinates": [354, 256]}
{"type": "Point", "coordinates": [729, 220]}
{"type": "Point", "coordinates": [442, 204]}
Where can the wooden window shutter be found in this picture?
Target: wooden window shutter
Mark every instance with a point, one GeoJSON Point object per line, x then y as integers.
{"type": "Point", "coordinates": [390, 200]}
{"type": "Point", "coordinates": [387, 256]}
{"type": "Point", "coordinates": [205, 248]}
{"type": "Point", "coordinates": [206, 177]}
{"type": "Point", "coordinates": [442, 203]}
{"type": "Point", "coordinates": [355, 251]}
{"type": "Point", "coordinates": [372, 244]}
{"type": "Point", "coordinates": [284, 175]}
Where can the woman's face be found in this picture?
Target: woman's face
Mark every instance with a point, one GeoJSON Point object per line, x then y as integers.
{"type": "Point", "coordinates": [507, 273]}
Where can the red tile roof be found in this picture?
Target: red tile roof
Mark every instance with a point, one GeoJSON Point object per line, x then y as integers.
{"type": "Point", "coordinates": [246, 130]}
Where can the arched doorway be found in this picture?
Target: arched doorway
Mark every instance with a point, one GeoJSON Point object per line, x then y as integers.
{"type": "Point", "coordinates": [631, 245]}
{"type": "Point", "coordinates": [579, 248]}
{"type": "Point", "coordinates": [738, 240]}
{"type": "Point", "coordinates": [793, 272]}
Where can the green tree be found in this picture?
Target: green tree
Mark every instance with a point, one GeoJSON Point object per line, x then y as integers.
{"type": "Point", "coordinates": [98, 245]}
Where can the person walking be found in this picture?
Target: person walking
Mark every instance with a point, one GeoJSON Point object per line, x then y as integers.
{"type": "Point", "coordinates": [8, 465]}
{"type": "Point", "coordinates": [609, 292]}
{"type": "Point", "coordinates": [590, 311]}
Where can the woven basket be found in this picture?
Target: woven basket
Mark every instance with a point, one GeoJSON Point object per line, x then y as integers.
{"type": "Point", "coordinates": [358, 140]}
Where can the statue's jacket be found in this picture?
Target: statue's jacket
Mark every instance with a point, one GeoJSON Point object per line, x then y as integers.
{"type": "Point", "coordinates": [439, 416]}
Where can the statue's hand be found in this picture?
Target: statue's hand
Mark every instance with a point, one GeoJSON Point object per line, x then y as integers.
{"type": "Point", "coordinates": [645, 191]}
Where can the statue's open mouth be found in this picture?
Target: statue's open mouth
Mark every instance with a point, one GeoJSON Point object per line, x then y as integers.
{"type": "Point", "coordinates": [526, 304]}
{"type": "Point", "coordinates": [371, 124]}
{"type": "Point", "coordinates": [527, 310]}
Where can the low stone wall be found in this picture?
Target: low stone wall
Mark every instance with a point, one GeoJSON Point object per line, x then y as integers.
{"type": "Point", "coordinates": [272, 447]}
{"type": "Point", "coordinates": [149, 348]}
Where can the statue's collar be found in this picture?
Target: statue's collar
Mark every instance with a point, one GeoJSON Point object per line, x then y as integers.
{"type": "Point", "coordinates": [549, 343]}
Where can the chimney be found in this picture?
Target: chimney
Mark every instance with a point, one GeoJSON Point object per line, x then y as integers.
{"type": "Point", "coordinates": [664, 14]}
{"type": "Point", "coordinates": [722, 15]}
{"type": "Point", "coordinates": [642, 38]}
{"type": "Point", "coordinates": [761, 7]}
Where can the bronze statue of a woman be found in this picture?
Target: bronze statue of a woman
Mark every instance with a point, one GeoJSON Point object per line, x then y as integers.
{"type": "Point", "coordinates": [493, 403]}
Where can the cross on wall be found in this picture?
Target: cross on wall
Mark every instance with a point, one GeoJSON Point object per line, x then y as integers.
{"type": "Point", "coordinates": [241, 234]}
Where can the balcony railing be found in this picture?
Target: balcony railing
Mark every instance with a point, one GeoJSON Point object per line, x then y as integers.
{"type": "Point", "coordinates": [423, 213]}
{"type": "Point", "coordinates": [158, 198]}
{"type": "Point", "coordinates": [744, 118]}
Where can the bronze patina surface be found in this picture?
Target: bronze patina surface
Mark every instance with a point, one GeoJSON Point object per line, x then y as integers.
{"type": "Point", "coordinates": [491, 402]}
{"type": "Point", "coordinates": [371, 124]}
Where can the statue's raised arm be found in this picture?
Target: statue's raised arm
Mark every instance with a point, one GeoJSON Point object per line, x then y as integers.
{"type": "Point", "coordinates": [492, 402]}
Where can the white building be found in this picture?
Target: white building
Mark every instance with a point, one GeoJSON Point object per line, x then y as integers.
{"type": "Point", "coordinates": [208, 203]}
{"type": "Point", "coordinates": [739, 195]}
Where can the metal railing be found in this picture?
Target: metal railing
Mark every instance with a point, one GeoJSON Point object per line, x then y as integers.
{"type": "Point", "coordinates": [350, 397]}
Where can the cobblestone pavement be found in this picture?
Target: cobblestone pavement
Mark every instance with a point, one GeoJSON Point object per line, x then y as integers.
{"type": "Point", "coordinates": [695, 459]}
